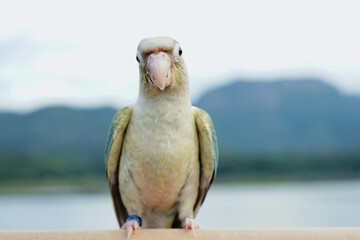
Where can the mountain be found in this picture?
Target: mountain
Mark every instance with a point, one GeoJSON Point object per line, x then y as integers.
{"type": "Point", "coordinates": [51, 128]}
{"type": "Point", "coordinates": [294, 116]}
{"type": "Point", "coordinates": [251, 118]}
{"type": "Point", "coordinates": [53, 142]}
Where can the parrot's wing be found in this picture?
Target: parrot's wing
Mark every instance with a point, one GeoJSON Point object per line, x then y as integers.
{"type": "Point", "coordinates": [112, 159]}
{"type": "Point", "coordinates": [208, 148]}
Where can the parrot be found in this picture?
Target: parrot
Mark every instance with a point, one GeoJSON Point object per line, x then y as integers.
{"type": "Point", "coordinates": [161, 153]}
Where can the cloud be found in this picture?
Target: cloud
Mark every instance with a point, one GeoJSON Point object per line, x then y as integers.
{"type": "Point", "coordinates": [86, 50]}
{"type": "Point", "coordinates": [23, 48]}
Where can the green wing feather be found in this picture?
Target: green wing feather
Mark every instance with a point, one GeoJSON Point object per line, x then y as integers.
{"type": "Point", "coordinates": [112, 159]}
{"type": "Point", "coordinates": [209, 154]}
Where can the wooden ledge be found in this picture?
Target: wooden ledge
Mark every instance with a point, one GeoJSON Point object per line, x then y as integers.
{"type": "Point", "coordinates": [179, 234]}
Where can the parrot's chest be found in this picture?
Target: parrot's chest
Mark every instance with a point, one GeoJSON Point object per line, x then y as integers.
{"type": "Point", "coordinates": [161, 153]}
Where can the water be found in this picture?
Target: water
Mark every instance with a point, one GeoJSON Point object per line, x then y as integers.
{"type": "Point", "coordinates": [290, 205]}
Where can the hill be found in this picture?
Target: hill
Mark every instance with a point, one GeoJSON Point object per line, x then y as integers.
{"type": "Point", "coordinates": [295, 128]}
{"type": "Point", "coordinates": [297, 116]}
{"type": "Point", "coordinates": [53, 142]}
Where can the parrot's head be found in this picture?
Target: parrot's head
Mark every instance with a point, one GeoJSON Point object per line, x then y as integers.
{"type": "Point", "coordinates": [161, 65]}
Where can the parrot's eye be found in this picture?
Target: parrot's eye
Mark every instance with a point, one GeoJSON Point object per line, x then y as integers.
{"type": "Point", "coordinates": [140, 59]}
{"type": "Point", "coordinates": [177, 52]}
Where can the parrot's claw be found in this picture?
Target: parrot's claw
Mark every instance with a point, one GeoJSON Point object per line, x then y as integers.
{"type": "Point", "coordinates": [191, 224]}
{"type": "Point", "coordinates": [131, 227]}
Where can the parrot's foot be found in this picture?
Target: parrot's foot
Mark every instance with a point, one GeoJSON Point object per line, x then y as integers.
{"type": "Point", "coordinates": [190, 223]}
{"type": "Point", "coordinates": [131, 227]}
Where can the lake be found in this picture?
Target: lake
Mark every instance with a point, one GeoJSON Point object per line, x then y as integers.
{"type": "Point", "coordinates": [281, 205]}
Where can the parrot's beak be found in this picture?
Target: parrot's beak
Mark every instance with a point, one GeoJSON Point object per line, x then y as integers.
{"type": "Point", "coordinates": [159, 67]}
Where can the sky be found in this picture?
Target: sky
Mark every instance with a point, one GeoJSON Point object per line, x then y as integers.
{"type": "Point", "coordinates": [82, 53]}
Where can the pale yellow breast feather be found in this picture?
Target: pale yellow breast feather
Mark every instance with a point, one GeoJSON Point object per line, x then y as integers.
{"type": "Point", "coordinates": [159, 147]}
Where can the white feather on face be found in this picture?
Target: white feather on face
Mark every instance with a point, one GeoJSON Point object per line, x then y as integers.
{"type": "Point", "coordinates": [153, 44]}
{"type": "Point", "coordinates": [157, 73]}
{"type": "Point", "coordinates": [156, 44]}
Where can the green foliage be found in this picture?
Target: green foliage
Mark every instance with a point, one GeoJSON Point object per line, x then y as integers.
{"type": "Point", "coordinates": [232, 166]}
{"type": "Point", "coordinates": [45, 166]}
{"type": "Point", "coordinates": [296, 166]}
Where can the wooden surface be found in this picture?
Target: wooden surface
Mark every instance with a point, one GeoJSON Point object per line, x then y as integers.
{"type": "Point", "coordinates": [179, 234]}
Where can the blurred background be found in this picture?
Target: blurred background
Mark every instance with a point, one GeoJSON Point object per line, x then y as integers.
{"type": "Point", "coordinates": [280, 79]}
